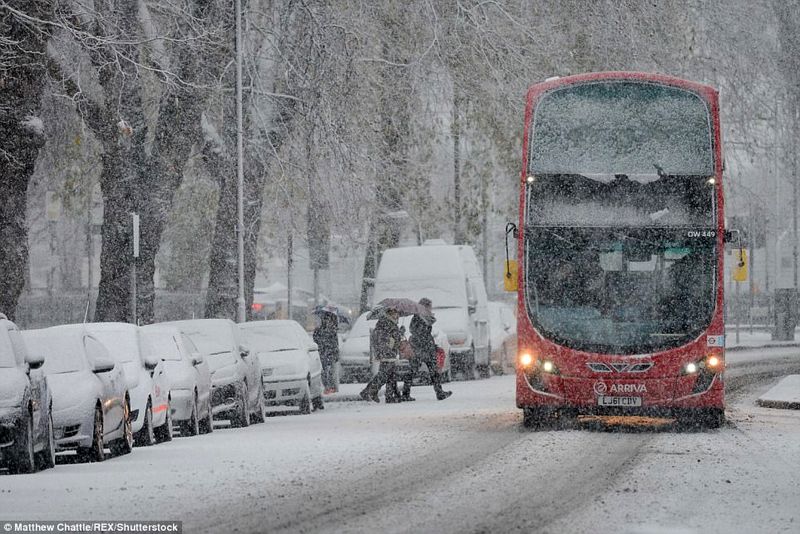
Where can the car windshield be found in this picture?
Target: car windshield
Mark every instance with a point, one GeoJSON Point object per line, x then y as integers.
{"type": "Point", "coordinates": [63, 352]}
{"type": "Point", "coordinates": [122, 344]}
{"type": "Point", "coordinates": [361, 327]}
{"type": "Point", "coordinates": [610, 290]}
{"type": "Point", "coordinates": [271, 338]}
{"type": "Point", "coordinates": [212, 338]}
{"type": "Point", "coordinates": [163, 344]}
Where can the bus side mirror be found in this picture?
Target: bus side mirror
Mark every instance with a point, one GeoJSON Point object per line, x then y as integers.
{"type": "Point", "coordinates": [510, 276]}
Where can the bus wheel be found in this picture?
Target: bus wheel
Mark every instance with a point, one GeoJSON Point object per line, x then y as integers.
{"type": "Point", "coordinates": [534, 417]}
{"type": "Point", "coordinates": [712, 417]}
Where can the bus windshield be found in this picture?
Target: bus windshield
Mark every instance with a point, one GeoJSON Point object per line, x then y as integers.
{"type": "Point", "coordinates": [616, 290]}
{"type": "Point", "coordinates": [629, 127]}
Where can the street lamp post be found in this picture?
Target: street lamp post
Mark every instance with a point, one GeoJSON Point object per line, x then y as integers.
{"type": "Point", "coordinates": [240, 310]}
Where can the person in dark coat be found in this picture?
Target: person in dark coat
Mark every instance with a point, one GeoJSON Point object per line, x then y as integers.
{"type": "Point", "coordinates": [385, 343]}
{"type": "Point", "coordinates": [326, 336]}
{"type": "Point", "coordinates": [424, 352]}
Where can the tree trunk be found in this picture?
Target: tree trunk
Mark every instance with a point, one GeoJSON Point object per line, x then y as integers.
{"type": "Point", "coordinates": [384, 230]}
{"type": "Point", "coordinates": [22, 80]}
{"type": "Point", "coordinates": [133, 181]}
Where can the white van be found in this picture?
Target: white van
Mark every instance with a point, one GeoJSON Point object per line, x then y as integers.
{"type": "Point", "coordinates": [449, 275]}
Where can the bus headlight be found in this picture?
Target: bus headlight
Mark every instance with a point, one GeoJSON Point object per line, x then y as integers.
{"type": "Point", "coordinates": [690, 368]}
{"type": "Point", "coordinates": [548, 367]}
{"type": "Point", "coordinates": [525, 359]}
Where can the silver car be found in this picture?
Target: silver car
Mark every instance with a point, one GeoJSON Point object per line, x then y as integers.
{"type": "Point", "coordinates": [188, 376]}
{"type": "Point", "coordinates": [91, 405]}
{"type": "Point", "coordinates": [146, 382]}
{"type": "Point", "coordinates": [26, 426]}
{"type": "Point", "coordinates": [236, 391]}
{"type": "Point", "coordinates": [291, 371]}
{"type": "Point", "coordinates": [354, 351]}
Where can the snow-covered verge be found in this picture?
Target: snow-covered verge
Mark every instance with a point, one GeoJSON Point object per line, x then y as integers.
{"type": "Point", "coordinates": [784, 394]}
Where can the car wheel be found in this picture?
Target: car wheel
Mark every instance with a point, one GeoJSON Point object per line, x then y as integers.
{"type": "Point", "coordinates": [22, 458]}
{"type": "Point", "coordinates": [146, 436]}
{"type": "Point", "coordinates": [124, 445]}
{"type": "Point", "coordinates": [317, 403]}
{"type": "Point", "coordinates": [469, 366]}
{"type": "Point", "coordinates": [97, 451]}
{"type": "Point", "coordinates": [208, 422]}
{"type": "Point", "coordinates": [242, 416]}
{"type": "Point", "coordinates": [259, 416]}
{"type": "Point", "coordinates": [305, 402]}
{"type": "Point", "coordinates": [164, 432]}
{"type": "Point", "coordinates": [192, 426]}
{"type": "Point", "coordinates": [46, 458]}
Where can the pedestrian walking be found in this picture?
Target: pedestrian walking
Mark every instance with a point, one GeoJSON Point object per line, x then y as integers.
{"type": "Point", "coordinates": [326, 336]}
{"type": "Point", "coordinates": [386, 340]}
{"type": "Point", "coordinates": [424, 345]}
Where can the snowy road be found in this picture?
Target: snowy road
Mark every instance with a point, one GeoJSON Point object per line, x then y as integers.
{"type": "Point", "coordinates": [462, 465]}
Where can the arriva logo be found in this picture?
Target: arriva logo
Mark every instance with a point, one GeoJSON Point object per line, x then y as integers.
{"type": "Point", "coordinates": [627, 388]}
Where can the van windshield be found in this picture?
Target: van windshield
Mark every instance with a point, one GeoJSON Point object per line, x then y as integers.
{"type": "Point", "coordinates": [443, 292]}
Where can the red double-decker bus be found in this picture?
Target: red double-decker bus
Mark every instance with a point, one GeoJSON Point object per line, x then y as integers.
{"type": "Point", "coordinates": [620, 249]}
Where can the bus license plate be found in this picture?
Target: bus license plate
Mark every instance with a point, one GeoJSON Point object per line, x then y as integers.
{"type": "Point", "coordinates": [605, 400]}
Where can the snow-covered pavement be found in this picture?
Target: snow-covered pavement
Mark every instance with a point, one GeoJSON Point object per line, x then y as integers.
{"type": "Point", "coordinates": [461, 465]}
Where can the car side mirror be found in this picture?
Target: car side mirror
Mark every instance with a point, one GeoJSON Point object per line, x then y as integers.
{"type": "Point", "coordinates": [197, 358]}
{"type": "Point", "coordinates": [151, 362]}
{"type": "Point", "coordinates": [472, 308]}
{"type": "Point", "coordinates": [34, 361]}
{"type": "Point", "coordinates": [244, 352]}
{"type": "Point", "coordinates": [103, 364]}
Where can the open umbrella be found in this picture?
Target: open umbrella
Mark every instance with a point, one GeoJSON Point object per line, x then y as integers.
{"type": "Point", "coordinates": [341, 314]}
{"type": "Point", "coordinates": [402, 305]}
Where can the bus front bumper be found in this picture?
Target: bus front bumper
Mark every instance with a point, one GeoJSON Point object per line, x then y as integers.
{"type": "Point", "coordinates": [639, 395]}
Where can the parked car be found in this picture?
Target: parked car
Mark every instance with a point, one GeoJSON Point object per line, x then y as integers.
{"type": "Point", "coordinates": [147, 384]}
{"type": "Point", "coordinates": [502, 337]}
{"type": "Point", "coordinates": [91, 405]}
{"type": "Point", "coordinates": [354, 362]}
{"type": "Point", "coordinates": [236, 389]}
{"type": "Point", "coordinates": [26, 422]}
{"type": "Point", "coordinates": [188, 376]}
{"type": "Point", "coordinates": [291, 371]}
{"type": "Point", "coordinates": [449, 275]}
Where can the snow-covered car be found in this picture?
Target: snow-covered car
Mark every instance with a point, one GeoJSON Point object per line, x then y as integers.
{"type": "Point", "coordinates": [26, 425]}
{"type": "Point", "coordinates": [236, 389]}
{"type": "Point", "coordinates": [354, 359]}
{"type": "Point", "coordinates": [91, 406]}
{"type": "Point", "coordinates": [502, 337]}
{"type": "Point", "coordinates": [291, 371]}
{"type": "Point", "coordinates": [188, 376]}
{"type": "Point", "coordinates": [147, 384]}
